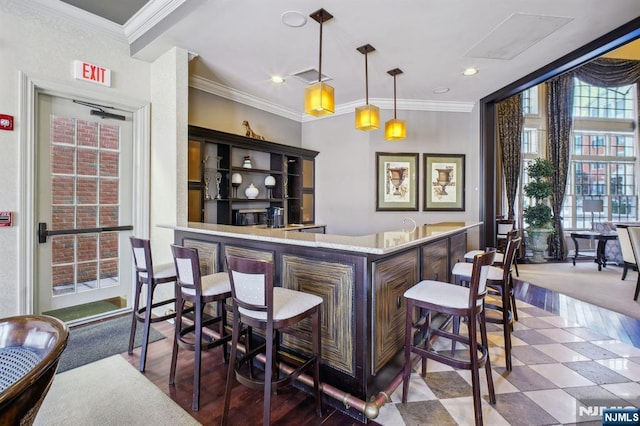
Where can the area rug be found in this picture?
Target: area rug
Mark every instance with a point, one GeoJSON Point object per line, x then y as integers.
{"type": "Point", "coordinates": [92, 342]}
{"type": "Point", "coordinates": [584, 282]}
{"type": "Point", "coordinates": [108, 392]}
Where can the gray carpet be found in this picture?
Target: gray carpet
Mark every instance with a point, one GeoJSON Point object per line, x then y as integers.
{"type": "Point", "coordinates": [108, 392]}
{"type": "Point", "coordinates": [92, 342]}
{"type": "Point", "coordinates": [584, 282]}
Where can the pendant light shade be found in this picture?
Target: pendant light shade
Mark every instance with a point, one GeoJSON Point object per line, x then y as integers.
{"type": "Point", "coordinates": [395, 130]}
{"type": "Point", "coordinates": [367, 116]}
{"type": "Point", "coordinates": [318, 97]}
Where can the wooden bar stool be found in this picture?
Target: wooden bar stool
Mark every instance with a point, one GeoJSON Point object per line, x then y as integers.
{"type": "Point", "coordinates": [499, 259]}
{"type": "Point", "coordinates": [147, 274]}
{"type": "Point", "coordinates": [198, 290]}
{"type": "Point", "coordinates": [500, 283]}
{"type": "Point", "coordinates": [257, 303]}
{"type": "Point", "coordinates": [459, 301]}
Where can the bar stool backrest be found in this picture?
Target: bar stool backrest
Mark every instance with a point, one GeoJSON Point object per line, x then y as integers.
{"type": "Point", "coordinates": [142, 257]}
{"type": "Point", "coordinates": [479, 274]}
{"type": "Point", "coordinates": [187, 268]}
{"type": "Point", "coordinates": [251, 284]}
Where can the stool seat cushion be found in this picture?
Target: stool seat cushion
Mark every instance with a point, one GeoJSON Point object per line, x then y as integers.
{"type": "Point", "coordinates": [468, 256]}
{"type": "Point", "coordinates": [440, 293]}
{"type": "Point", "coordinates": [471, 254]}
{"type": "Point", "coordinates": [286, 304]}
{"type": "Point", "coordinates": [463, 269]}
{"type": "Point", "coordinates": [161, 271]}
{"type": "Point", "coordinates": [212, 284]}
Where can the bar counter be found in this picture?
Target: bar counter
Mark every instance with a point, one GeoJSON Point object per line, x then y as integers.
{"type": "Point", "coordinates": [361, 280]}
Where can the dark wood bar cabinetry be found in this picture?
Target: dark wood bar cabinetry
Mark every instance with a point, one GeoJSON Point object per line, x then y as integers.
{"type": "Point", "coordinates": [361, 281]}
{"type": "Point", "coordinates": [215, 157]}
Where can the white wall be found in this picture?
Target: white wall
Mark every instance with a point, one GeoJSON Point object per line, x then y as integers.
{"type": "Point", "coordinates": [169, 95]}
{"type": "Point", "coordinates": [43, 48]}
{"type": "Point", "coordinates": [214, 112]}
{"type": "Point", "coordinates": [345, 168]}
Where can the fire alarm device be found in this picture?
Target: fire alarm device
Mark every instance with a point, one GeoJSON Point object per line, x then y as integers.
{"type": "Point", "coordinates": [6, 122]}
{"type": "Point", "coordinates": [6, 218]}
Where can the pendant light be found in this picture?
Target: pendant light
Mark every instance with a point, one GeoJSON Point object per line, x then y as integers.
{"type": "Point", "coordinates": [367, 116]}
{"type": "Point", "coordinates": [318, 97]}
{"type": "Point", "coordinates": [395, 130]}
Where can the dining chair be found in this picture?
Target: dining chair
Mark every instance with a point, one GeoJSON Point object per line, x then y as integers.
{"type": "Point", "coordinates": [626, 249]}
{"type": "Point", "coordinates": [30, 351]}
{"type": "Point", "coordinates": [634, 236]}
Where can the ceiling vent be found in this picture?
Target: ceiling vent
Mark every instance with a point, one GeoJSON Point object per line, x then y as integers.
{"type": "Point", "coordinates": [516, 34]}
{"type": "Point", "coordinates": [310, 76]}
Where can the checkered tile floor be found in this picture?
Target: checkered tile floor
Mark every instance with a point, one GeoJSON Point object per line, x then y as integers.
{"type": "Point", "coordinates": [558, 367]}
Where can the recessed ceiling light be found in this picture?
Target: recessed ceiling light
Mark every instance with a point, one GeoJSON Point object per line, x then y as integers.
{"type": "Point", "coordinates": [470, 71]}
{"type": "Point", "coordinates": [440, 90]}
{"type": "Point", "coordinates": [277, 79]}
{"type": "Point", "coordinates": [291, 18]}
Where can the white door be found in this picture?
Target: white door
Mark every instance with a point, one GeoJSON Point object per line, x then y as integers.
{"type": "Point", "coordinates": [83, 205]}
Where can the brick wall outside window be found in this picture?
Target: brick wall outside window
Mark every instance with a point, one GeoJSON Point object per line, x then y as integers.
{"type": "Point", "coordinates": [84, 194]}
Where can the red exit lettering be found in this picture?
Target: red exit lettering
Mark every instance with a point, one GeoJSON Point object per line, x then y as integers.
{"type": "Point", "coordinates": [93, 72]}
{"type": "Point", "coordinates": [90, 72]}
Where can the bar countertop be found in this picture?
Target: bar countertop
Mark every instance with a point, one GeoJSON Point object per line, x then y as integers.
{"type": "Point", "coordinates": [380, 243]}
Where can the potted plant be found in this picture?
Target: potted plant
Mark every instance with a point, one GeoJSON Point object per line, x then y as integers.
{"type": "Point", "coordinates": [539, 215]}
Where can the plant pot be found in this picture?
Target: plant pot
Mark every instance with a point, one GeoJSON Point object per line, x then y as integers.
{"type": "Point", "coordinates": [538, 242]}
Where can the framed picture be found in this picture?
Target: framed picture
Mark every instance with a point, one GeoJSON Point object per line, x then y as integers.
{"type": "Point", "coordinates": [444, 182]}
{"type": "Point", "coordinates": [396, 181]}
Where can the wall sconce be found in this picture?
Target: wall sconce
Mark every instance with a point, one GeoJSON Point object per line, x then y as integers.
{"type": "Point", "coordinates": [395, 130]}
{"type": "Point", "coordinates": [367, 116]}
{"type": "Point", "coordinates": [318, 98]}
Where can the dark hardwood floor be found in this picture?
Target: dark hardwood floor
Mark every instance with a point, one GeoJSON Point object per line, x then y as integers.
{"type": "Point", "coordinates": [289, 407]}
{"type": "Point", "coordinates": [293, 407]}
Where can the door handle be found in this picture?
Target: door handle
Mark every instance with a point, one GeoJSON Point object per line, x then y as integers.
{"type": "Point", "coordinates": [43, 232]}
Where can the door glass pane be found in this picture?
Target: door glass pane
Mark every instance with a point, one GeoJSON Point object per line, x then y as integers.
{"type": "Point", "coordinates": [307, 174]}
{"type": "Point", "coordinates": [307, 208]}
{"type": "Point", "coordinates": [85, 160]}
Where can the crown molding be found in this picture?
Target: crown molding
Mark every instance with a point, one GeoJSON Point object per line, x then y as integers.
{"type": "Point", "coordinates": [59, 9]}
{"type": "Point", "coordinates": [208, 86]}
{"type": "Point", "coordinates": [148, 16]}
{"type": "Point", "coordinates": [218, 89]}
{"type": "Point", "coordinates": [412, 105]}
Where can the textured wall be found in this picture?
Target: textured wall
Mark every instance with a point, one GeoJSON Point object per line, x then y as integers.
{"type": "Point", "coordinates": [43, 47]}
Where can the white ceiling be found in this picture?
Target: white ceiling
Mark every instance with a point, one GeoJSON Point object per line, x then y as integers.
{"type": "Point", "coordinates": [241, 43]}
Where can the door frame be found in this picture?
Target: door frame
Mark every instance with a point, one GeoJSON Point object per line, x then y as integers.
{"type": "Point", "coordinates": [26, 220]}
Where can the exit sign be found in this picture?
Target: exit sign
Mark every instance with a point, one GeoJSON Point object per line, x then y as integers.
{"type": "Point", "coordinates": [93, 73]}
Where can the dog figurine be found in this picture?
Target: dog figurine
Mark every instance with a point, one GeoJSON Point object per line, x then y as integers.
{"type": "Point", "coordinates": [250, 133]}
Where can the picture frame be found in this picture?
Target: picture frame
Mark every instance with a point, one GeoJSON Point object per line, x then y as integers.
{"type": "Point", "coordinates": [444, 182]}
{"type": "Point", "coordinates": [397, 181]}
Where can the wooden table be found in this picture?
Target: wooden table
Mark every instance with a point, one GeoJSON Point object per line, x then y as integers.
{"type": "Point", "coordinates": [602, 238]}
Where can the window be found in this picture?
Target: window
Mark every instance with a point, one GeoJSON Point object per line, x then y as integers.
{"type": "Point", "coordinates": [530, 101]}
{"type": "Point", "coordinates": [603, 155]}
{"type": "Point", "coordinates": [603, 152]}
{"type": "Point", "coordinates": [600, 102]}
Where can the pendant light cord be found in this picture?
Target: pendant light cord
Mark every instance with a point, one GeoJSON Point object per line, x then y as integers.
{"type": "Point", "coordinates": [320, 55]}
{"type": "Point", "coordinates": [394, 98]}
{"type": "Point", "coordinates": [366, 78]}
